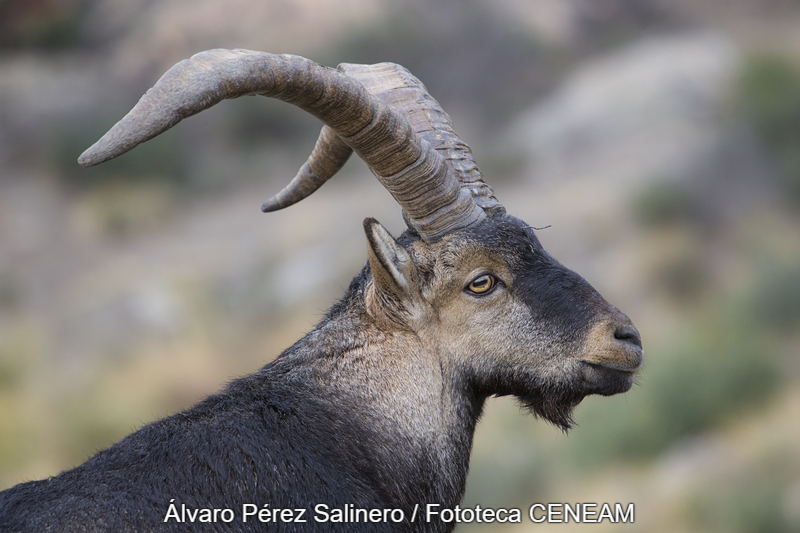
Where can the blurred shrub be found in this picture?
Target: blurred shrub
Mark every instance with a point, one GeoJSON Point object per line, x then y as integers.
{"type": "Point", "coordinates": [750, 502]}
{"type": "Point", "coordinates": [10, 291]}
{"type": "Point", "coordinates": [22, 346]}
{"type": "Point", "coordinates": [770, 97]}
{"type": "Point", "coordinates": [255, 123]}
{"type": "Point", "coordinates": [511, 464]}
{"type": "Point", "coordinates": [775, 302]}
{"type": "Point", "coordinates": [119, 209]}
{"type": "Point", "coordinates": [673, 216]}
{"type": "Point", "coordinates": [500, 162]}
{"type": "Point", "coordinates": [12, 366]}
{"type": "Point", "coordinates": [710, 375]}
{"type": "Point", "coordinates": [683, 277]}
{"type": "Point", "coordinates": [662, 203]}
{"type": "Point", "coordinates": [82, 428]}
{"type": "Point", "coordinates": [160, 159]}
{"type": "Point", "coordinates": [702, 384]}
{"type": "Point", "coordinates": [22, 349]}
{"type": "Point", "coordinates": [41, 24]}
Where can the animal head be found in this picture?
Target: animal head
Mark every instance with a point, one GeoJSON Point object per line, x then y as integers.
{"type": "Point", "coordinates": [469, 282]}
{"type": "Point", "coordinates": [491, 302]}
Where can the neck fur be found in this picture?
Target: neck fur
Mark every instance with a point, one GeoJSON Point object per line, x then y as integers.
{"type": "Point", "coordinates": [414, 407]}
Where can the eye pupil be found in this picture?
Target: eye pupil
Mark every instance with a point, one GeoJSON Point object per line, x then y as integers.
{"type": "Point", "coordinates": [481, 284]}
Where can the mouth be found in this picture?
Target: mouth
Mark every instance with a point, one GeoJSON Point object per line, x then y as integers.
{"type": "Point", "coordinates": [606, 380]}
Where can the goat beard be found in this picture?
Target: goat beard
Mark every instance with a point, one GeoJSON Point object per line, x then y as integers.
{"type": "Point", "coordinates": [554, 404]}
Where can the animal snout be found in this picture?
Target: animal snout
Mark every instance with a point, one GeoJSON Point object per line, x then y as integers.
{"type": "Point", "coordinates": [628, 333]}
{"type": "Point", "coordinates": [628, 354]}
{"type": "Point", "coordinates": [614, 343]}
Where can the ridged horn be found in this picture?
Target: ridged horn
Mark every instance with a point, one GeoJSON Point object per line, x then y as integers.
{"type": "Point", "coordinates": [418, 177]}
{"type": "Point", "coordinates": [400, 89]}
{"type": "Point", "coordinates": [403, 91]}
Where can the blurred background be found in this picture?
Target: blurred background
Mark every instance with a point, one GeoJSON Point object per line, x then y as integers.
{"type": "Point", "coordinates": [659, 141]}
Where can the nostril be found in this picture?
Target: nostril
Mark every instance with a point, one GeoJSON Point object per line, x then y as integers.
{"type": "Point", "coordinates": [628, 334]}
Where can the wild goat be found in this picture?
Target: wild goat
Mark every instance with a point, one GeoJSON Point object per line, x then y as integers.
{"type": "Point", "coordinates": [370, 417]}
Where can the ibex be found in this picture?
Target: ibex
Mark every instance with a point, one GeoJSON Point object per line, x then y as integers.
{"type": "Point", "coordinates": [367, 422]}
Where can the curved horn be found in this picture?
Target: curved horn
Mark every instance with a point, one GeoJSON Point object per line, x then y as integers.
{"type": "Point", "coordinates": [406, 164]}
{"type": "Point", "coordinates": [209, 77]}
{"type": "Point", "coordinates": [328, 157]}
{"type": "Point", "coordinates": [400, 89]}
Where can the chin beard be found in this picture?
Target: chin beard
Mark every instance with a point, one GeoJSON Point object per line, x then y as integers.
{"type": "Point", "coordinates": [554, 405]}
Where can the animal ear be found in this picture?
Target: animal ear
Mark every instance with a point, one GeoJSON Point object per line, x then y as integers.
{"type": "Point", "coordinates": [393, 271]}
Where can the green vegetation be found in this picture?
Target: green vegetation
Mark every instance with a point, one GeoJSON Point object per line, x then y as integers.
{"type": "Point", "coordinates": [44, 24]}
{"type": "Point", "coordinates": [257, 124]}
{"type": "Point", "coordinates": [514, 468]}
{"type": "Point", "coordinates": [751, 502]}
{"type": "Point", "coordinates": [661, 204]}
{"type": "Point", "coordinates": [775, 301]}
{"type": "Point", "coordinates": [163, 159]}
{"type": "Point", "coordinates": [684, 393]}
{"type": "Point", "coordinates": [718, 368]}
{"type": "Point", "coordinates": [769, 94]}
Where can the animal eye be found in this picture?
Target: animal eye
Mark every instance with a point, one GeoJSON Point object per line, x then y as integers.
{"type": "Point", "coordinates": [482, 284]}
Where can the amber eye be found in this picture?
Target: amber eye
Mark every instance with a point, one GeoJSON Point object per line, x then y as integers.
{"type": "Point", "coordinates": [482, 284]}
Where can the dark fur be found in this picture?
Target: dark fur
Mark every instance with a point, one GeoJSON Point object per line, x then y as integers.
{"type": "Point", "coordinates": [285, 437]}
